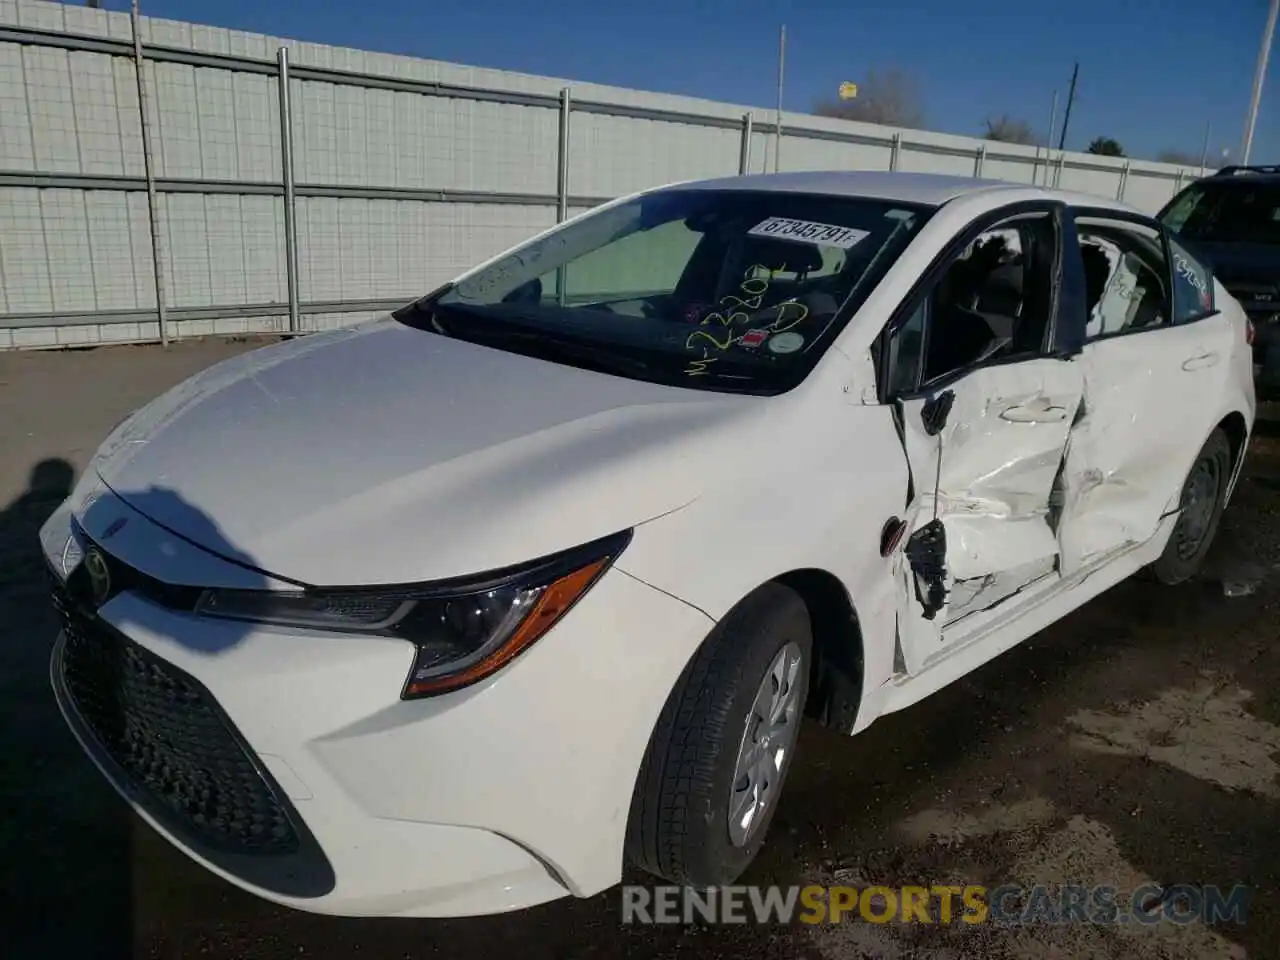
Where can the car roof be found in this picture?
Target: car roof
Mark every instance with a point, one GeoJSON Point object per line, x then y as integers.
{"type": "Point", "coordinates": [1244, 178]}
{"type": "Point", "coordinates": [927, 189]}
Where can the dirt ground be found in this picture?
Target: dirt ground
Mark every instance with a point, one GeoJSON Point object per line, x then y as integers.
{"type": "Point", "coordinates": [1137, 740]}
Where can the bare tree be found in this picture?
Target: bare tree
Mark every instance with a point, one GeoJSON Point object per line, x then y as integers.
{"type": "Point", "coordinates": [1007, 130]}
{"type": "Point", "coordinates": [891, 98]}
{"type": "Point", "coordinates": [1180, 157]}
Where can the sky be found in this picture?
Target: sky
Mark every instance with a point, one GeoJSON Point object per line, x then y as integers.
{"type": "Point", "coordinates": [1153, 73]}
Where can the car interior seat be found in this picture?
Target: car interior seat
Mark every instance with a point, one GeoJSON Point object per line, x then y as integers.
{"type": "Point", "coordinates": [781, 256]}
{"type": "Point", "coordinates": [1149, 310]}
{"type": "Point", "coordinates": [1097, 270]}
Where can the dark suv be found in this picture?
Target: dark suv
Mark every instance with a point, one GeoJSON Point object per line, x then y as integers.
{"type": "Point", "coordinates": [1232, 221]}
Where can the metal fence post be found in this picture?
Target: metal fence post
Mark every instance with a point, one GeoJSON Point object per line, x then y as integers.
{"type": "Point", "coordinates": [286, 176]}
{"type": "Point", "coordinates": [895, 147]}
{"type": "Point", "coordinates": [1177, 183]}
{"type": "Point", "coordinates": [562, 183]}
{"type": "Point", "coordinates": [1124, 179]}
{"type": "Point", "coordinates": [744, 151]}
{"type": "Point", "coordinates": [562, 160]}
{"type": "Point", "coordinates": [153, 202]}
{"type": "Point", "coordinates": [979, 157]}
{"type": "Point", "coordinates": [1057, 174]}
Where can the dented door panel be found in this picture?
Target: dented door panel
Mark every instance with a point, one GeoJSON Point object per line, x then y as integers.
{"type": "Point", "coordinates": [1150, 401]}
{"type": "Point", "coordinates": [981, 593]}
{"type": "Point", "coordinates": [987, 477]}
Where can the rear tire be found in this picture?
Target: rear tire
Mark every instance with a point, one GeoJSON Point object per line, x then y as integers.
{"type": "Point", "coordinates": [1201, 501]}
{"type": "Point", "coordinates": [717, 760]}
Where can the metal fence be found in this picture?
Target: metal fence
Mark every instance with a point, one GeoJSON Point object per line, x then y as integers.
{"type": "Point", "coordinates": [252, 184]}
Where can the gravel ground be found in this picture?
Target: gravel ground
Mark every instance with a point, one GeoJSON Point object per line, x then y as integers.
{"type": "Point", "coordinates": [1137, 740]}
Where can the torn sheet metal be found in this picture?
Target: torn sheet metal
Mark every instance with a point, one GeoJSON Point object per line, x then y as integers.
{"type": "Point", "coordinates": [982, 543]}
{"type": "Point", "coordinates": [987, 476]}
{"type": "Point", "coordinates": [983, 593]}
{"type": "Point", "coordinates": [994, 464]}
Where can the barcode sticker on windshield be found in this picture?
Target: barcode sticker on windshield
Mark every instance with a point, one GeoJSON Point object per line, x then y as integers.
{"type": "Point", "coordinates": [804, 231]}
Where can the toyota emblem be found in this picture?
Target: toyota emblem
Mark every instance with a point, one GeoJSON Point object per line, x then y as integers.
{"type": "Point", "coordinates": [95, 564]}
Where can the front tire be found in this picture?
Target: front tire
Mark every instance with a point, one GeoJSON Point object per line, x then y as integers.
{"type": "Point", "coordinates": [1201, 503]}
{"type": "Point", "coordinates": [710, 780]}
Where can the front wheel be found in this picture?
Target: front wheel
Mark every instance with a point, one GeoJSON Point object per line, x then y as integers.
{"type": "Point", "coordinates": [715, 766]}
{"type": "Point", "coordinates": [1200, 511]}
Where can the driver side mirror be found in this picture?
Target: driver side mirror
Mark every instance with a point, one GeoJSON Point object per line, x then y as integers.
{"type": "Point", "coordinates": [934, 414]}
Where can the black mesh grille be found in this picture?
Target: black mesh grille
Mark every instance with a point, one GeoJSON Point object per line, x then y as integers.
{"type": "Point", "coordinates": [170, 739]}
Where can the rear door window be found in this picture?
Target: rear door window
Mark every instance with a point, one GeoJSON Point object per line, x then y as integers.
{"type": "Point", "coordinates": [1126, 276]}
{"type": "Point", "coordinates": [1192, 286]}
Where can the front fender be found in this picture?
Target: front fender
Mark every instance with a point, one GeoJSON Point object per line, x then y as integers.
{"type": "Point", "coordinates": [819, 502]}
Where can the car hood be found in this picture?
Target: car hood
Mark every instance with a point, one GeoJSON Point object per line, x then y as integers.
{"type": "Point", "coordinates": [386, 454]}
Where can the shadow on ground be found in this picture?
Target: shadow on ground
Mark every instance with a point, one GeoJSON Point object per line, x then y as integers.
{"type": "Point", "coordinates": [65, 837]}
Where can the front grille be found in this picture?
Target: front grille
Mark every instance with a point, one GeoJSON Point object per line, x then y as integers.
{"type": "Point", "coordinates": [179, 754]}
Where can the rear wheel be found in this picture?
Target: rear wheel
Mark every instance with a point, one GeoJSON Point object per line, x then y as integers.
{"type": "Point", "coordinates": [710, 781]}
{"type": "Point", "coordinates": [1200, 511]}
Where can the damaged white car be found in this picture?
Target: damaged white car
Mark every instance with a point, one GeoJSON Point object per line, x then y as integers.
{"type": "Point", "coordinates": [460, 610]}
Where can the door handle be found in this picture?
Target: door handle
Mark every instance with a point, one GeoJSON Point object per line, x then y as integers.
{"type": "Point", "coordinates": [1200, 362]}
{"type": "Point", "coordinates": [1034, 412]}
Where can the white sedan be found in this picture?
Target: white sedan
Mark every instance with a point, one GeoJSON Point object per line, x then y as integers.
{"type": "Point", "coordinates": [461, 610]}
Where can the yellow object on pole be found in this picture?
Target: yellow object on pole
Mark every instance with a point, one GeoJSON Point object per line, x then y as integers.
{"type": "Point", "coordinates": [848, 90]}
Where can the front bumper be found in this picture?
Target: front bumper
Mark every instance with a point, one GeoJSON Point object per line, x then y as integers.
{"type": "Point", "coordinates": [497, 797]}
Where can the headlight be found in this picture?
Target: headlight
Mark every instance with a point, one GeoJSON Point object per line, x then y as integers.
{"type": "Point", "coordinates": [463, 630]}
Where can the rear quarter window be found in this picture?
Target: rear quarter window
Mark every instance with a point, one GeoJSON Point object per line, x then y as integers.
{"type": "Point", "coordinates": [1192, 285]}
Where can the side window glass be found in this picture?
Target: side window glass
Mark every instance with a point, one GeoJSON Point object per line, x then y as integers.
{"type": "Point", "coordinates": [906, 348]}
{"type": "Point", "coordinates": [1126, 277]}
{"type": "Point", "coordinates": [1180, 208]}
{"type": "Point", "coordinates": [993, 301]}
{"type": "Point", "coordinates": [1192, 286]}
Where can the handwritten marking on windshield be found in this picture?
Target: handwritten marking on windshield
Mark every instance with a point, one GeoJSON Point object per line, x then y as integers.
{"type": "Point", "coordinates": [728, 339]}
{"type": "Point", "coordinates": [754, 286]}
{"type": "Point", "coordinates": [1188, 273]}
{"type": "Point", "coordinates": [698, 368]}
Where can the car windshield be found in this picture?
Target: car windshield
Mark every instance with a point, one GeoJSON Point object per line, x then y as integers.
{"type": "Point", "coordinates": [1232, 211]}
{"type": "Point", "coordinates": [728, 290]}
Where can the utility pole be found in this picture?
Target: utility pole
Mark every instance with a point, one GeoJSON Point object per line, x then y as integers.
{"type": "Point", "coordinates": [777, 136]}
{"type": "Point", "coordinates": [1258, 76]}
{"type": "Point", "coordinates": [1048, 142]}
{"type": "Point", "coordinates": [148, 171]}
{"type": "Point", "coordinates": [1204, 149]}
{"type": "Point", "coordinates": [1071, 98]}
